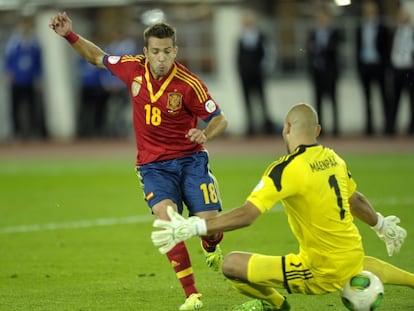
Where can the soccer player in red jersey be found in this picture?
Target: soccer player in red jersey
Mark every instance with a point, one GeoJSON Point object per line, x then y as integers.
{"type": "Point", "coordinates": [172, 163]}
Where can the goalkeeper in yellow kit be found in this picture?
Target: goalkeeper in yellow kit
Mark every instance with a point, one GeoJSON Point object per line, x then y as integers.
{"type": "Point", "coordinates": [320, 200]}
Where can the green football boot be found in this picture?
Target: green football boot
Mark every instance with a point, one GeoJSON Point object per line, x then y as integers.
{"type": "Point", "coordinates": [260, 305]}
{"type": "Point", "coordinates": [214, 259]}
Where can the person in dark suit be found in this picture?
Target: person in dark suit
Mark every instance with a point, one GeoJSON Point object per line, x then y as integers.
{"type": "Point", "coordinates": [322, 54]}
{"type": "Point", "coordinates": [92, 111]}
{"type": "Point", "coordinates": [251, 63]}
{"type": "Point", "coordinates": [372, 54]}
{"type": "Point", "coordinates": [23, 70]}
{"type": "Point", "coordinates": [402, 64]}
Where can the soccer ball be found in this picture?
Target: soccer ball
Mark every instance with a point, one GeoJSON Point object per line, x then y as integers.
{"type": "Point", "coordinates": [363, 292]}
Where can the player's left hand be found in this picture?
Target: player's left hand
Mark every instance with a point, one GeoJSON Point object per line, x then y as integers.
{"type": "Point", "coordinates": [176, 230]}
{"type": "Point", "coordinates": [197, 136]}
{"type": "Point", "coordinates": [61, 24]}
{"type": "Point", "coordinates": [390, 232]}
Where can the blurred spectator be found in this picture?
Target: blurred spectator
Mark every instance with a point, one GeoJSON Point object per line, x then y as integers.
{"type": "Point", "coordinates": [118, 108]}
{"type": "Point", "coordinates": [23, 73]}
{"type": "Point", "coordinates": [92, 108]}
{"type": "Point", "coordinates": [252, 64]}
{"type": "Point", "coordinates": [402, 64]}
{"type": "Point", "coordinates": [322, 55]}
{"type": "Point", "coordinates": [372, 53]}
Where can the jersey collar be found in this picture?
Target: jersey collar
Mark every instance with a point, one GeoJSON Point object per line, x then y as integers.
{"type": "Point", "coordinates": [170, 76]}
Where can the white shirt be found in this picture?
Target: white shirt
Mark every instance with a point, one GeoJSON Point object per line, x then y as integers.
{"type": "Point", "coordinates": [369, 52]}
{"type": "Point", "coordinates": [250, 38]}
{"type": "Point", "coordinates": [403, 47]}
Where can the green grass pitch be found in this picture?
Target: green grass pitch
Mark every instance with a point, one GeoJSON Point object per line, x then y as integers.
{"type": "Point", "coordinates": [75, 235]}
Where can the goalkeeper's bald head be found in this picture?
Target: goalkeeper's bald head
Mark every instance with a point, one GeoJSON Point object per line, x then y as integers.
{"type": "Point", "coordinates": [301, 126]}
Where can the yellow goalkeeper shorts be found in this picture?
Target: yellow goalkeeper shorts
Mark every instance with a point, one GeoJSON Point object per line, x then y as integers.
{"type": "Point", "coordinates": [293, 273]}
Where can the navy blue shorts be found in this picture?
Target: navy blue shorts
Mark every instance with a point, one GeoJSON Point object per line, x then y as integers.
{"type": "Point", "coordinates": [186, 181]}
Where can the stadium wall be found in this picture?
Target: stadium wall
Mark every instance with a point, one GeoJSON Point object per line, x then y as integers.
{"type": "Point", "coordinates": [60, 87]}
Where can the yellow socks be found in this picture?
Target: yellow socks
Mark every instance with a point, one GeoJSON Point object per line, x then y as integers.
{"type": "Point", "coordinates": [388, 273]}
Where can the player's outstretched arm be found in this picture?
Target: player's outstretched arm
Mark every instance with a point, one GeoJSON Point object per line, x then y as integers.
{"type": "Point", "coordinates": [386, 228]}
{"type": "Point", "coordinates": [179, 229]}
{"type": "Point", "coordinates": [362, 209]}
{"type": "Point", "coordinates": [62, 25]}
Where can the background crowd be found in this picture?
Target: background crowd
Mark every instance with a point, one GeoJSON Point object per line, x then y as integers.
{"type": "Point", "coordinates": [381, 45]}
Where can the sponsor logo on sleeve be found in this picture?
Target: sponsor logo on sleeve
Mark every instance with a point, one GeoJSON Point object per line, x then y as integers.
{"type": "Point", "coordinates": [113, 59]}
{"type": "Point", "coordinates": [259, 186]}
{"type": "Point", "coordinates": [210, 106]}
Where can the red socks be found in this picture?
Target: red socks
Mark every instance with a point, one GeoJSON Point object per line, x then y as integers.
{"type": "Point", "coordinates": [210, 245]}
{"type": "Point", "coordinates": [180, 261]}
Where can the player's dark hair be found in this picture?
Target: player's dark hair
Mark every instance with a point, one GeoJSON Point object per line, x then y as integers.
{"type": "Point", "coordinates": [160, 31]}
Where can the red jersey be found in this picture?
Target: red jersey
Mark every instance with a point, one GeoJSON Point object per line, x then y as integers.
{"type": "Point", "coordinates": [164, 110]}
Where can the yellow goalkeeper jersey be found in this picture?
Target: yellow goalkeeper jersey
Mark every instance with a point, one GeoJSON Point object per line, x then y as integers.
{"type": "Point", "coordinates": [314, 184]}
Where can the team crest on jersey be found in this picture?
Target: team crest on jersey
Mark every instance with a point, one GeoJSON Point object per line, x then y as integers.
{"type": "Point", "coordinates": [136, 85]}
{"type": "Point", "coordinates": [175, 102]}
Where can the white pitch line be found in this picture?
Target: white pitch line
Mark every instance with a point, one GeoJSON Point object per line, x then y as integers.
{"type": "Point", "coordinates": [393, 201]}
{"type": "Point", "coordinates": [104, 222]}
{"type": "Point", "coordinates": [100, 222]}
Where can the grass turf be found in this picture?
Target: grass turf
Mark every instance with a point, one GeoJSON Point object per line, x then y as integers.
{"type": "Point", "coordinates": [75, 235]}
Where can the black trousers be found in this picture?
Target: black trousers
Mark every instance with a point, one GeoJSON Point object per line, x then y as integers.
{"type": "Point", "coordinates": [27, 113]}
{"type": "Point", "coordinates": [324, 87]}
{"type": "Point", "coordinates": [403, 80]}
{"type": "Point", "coordinates": [371, 75]}
{"type": "Point", "coordinates": [254, 85]}
{"type": "Point", "coordinates": [92, 112]}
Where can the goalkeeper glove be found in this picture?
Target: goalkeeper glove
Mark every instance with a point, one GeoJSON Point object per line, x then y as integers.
{"type": "Point", "coordinates": [390, 232]}
{"type": "Point", "coordinates": [176, 229]}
